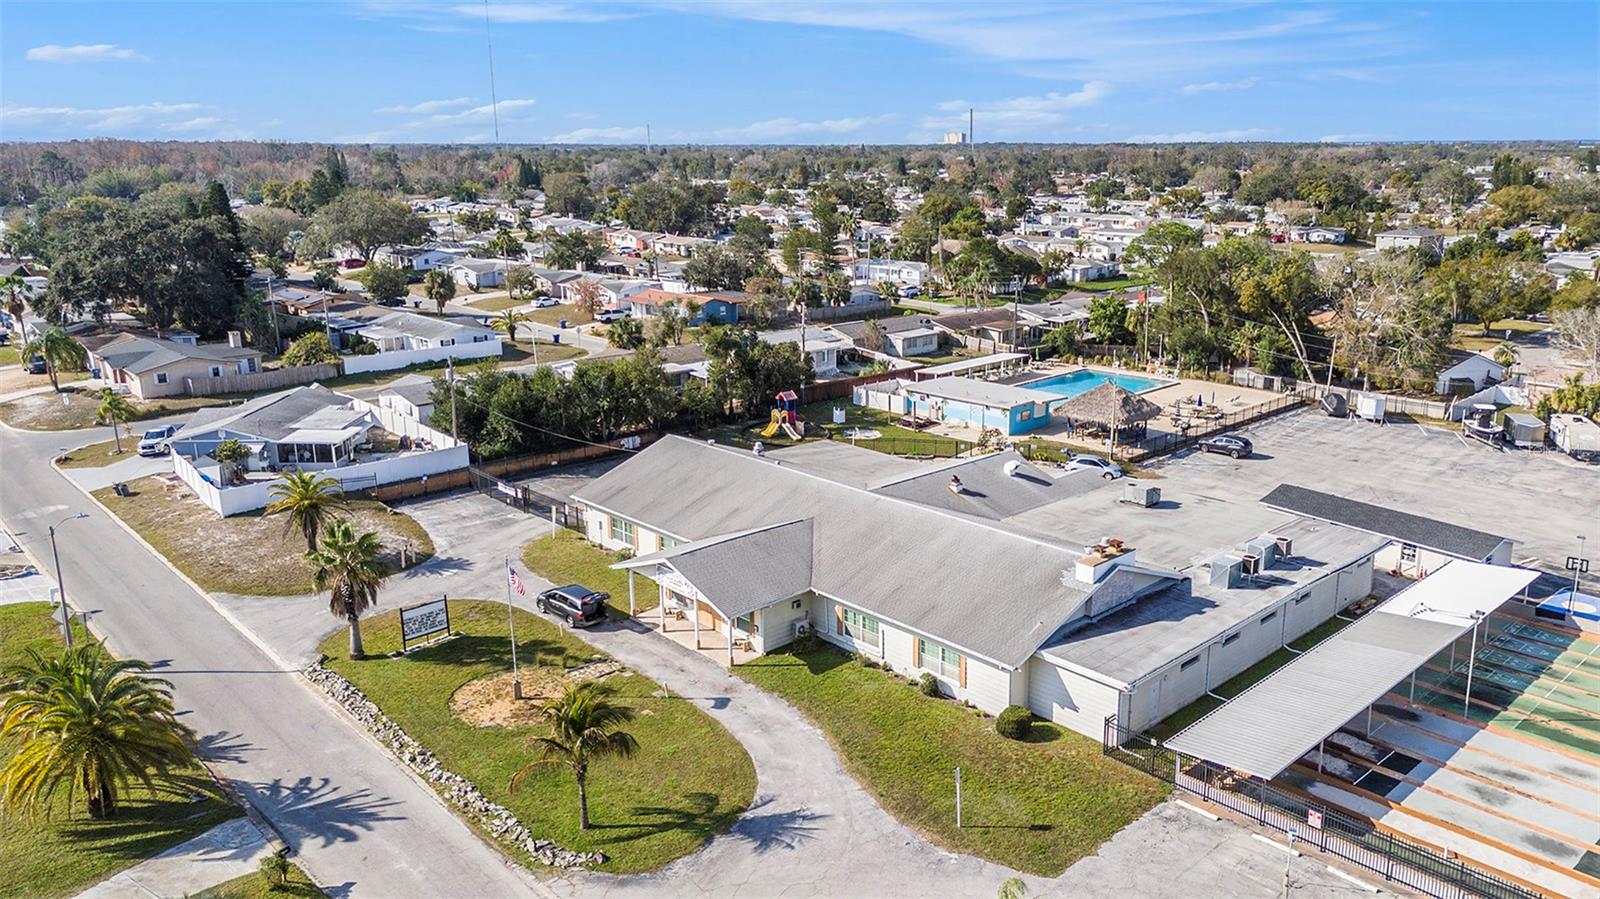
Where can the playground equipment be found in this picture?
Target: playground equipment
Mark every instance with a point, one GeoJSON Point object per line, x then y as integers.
{"type": "Point", "coordinates": [785, 416]}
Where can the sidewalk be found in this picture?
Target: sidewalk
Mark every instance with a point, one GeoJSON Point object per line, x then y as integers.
{"type": "Point", "coordinates": [229, 850]}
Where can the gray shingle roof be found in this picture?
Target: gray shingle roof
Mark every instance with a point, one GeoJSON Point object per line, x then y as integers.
{"type": "Point", "coordinates": [720, 567]}
{"type": "Point", "coordinates": [141, 354]}
{"type": "Point", "coordinates": [270, 417]}
{"type": "Point", "coordinates": [993, 593]}
{"type": "Point", "coordinates": [1428, 533]}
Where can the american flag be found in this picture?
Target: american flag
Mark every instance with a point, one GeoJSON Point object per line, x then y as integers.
{"type": "Point", "coordinates": [516, 582]}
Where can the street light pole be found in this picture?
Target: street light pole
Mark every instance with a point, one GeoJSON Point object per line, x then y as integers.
{"type": "Point", "coordinates": [1577, 568]}
{"type": "Point", "coordinates": [55, 555]}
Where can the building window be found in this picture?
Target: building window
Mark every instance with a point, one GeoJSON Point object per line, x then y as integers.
{"type": "Point", "coordinates": [1025, 414]}
{"type": "Point", "coordinates": [161, 377]}
{"type": "Point", "coordinates": [1229, 639]}
{"type": "Point", "coordinates": [216, 371]}
{"type": "Point", "coordinates": [862, 628]}
{"type": "Point", "coordinates": [667, 542]}
{"type": "Point", "coordinates": [622, 529]}
{"type": "Point", "coordinates": [1268, 617]}
{"type": "Point", "coordinates": [939, 659]}
{"type": "Point", "coordinates": [1189, 663]}
{"type": "Point", "coordinates": [1301, 598]}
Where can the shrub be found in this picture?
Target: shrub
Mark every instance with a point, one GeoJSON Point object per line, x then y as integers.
{"type": "Point", "coordinates": [807, 643]}
{"type": "Point", "coordinates": [274, 870]}
{"type": "Point", "coordinates": [929, 685]}
{"type": "Point", "coordinates": [868, 662]}
{"type": "Point", "coordinates": [1014, 723]}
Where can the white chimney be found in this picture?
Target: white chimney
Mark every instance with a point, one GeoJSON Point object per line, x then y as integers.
{"type": "Point", "coordinates": [1102, 559]}
{"type": "Point", "coordinates": [235, 339]}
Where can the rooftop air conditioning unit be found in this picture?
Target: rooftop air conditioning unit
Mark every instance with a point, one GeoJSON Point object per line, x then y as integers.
{"type": "Point", "coordinates": [1285, 547]}
{"type": "Point", "coordinates": [1140, 494]}
{"type": "Point", "coordinates": [1251, 565]}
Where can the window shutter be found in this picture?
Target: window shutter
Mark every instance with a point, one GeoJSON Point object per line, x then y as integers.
{"type": "Point", "coordinates": [916, 652]}
{"type": "Point", "coordinates": [963, 672]}
{"type": "Point", "coordinates": [838, 619]}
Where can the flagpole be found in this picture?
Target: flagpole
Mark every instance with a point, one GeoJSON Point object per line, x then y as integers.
{"type": "Point", "coordinates": [511, 620]}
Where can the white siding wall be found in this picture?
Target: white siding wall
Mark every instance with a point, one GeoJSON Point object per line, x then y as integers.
{"type": "Point", "coordinates": [777, 622]}
{"type": "Point", "coordinates": [988, 687]}
{"type": "Point", "coordinates": [1069, 699]}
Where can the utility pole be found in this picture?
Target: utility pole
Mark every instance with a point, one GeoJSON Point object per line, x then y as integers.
{"type": "Point", "coordinates": [969, 126]}
{"type": "Point", "coordinates": [450, 369]}
{"type": "Point", "coordinates": [66, 616]}
{"type": "Point", "coordinates": [1578, 564]}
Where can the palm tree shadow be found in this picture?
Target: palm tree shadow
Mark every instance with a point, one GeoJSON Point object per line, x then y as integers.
{"type": "Point", "coordinates": [697, 815]}
{"type": "Point", "coordinates": [766, 831]}
{"type": "Point", "coordinates": [318, 809]}
{"type": "Point", "coordinates": [433, 567]}
{"type": "Point", "coordinates": [222, 746]}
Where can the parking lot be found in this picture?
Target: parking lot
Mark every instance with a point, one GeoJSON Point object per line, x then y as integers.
{"type": "Point", "coordinates": [1543, 500]}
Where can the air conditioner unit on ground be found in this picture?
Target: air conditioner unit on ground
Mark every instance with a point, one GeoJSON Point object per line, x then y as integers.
{"type": "Point", "coordinates": [802, 628]}
{"type": "Point", "coordinates": [1140, 494]}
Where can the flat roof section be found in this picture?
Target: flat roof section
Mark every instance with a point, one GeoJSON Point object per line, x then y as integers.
{"type": "Point", "coordinates": [982, 393]}
{"type": "Point", "coordinates": [962, 366]}
{"type": "Point", "coordinates": [1428, 533]}
{"type": "Point", "coordinates": [1269, 726]}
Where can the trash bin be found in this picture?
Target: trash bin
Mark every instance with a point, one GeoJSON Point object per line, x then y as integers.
{"type": "Point", "coordinates": [555, 338]}
{"type": "Point", "coordinates": [562, 323]}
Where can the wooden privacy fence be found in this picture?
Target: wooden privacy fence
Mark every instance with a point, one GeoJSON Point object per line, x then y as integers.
{"type": "Point", "coordinates": [268, 379]}
{"type": "Point", "coordinates": [533, 461]}
{"type": "Point", "coordinates": [844, 387]}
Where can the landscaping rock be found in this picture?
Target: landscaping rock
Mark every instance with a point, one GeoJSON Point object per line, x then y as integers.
{"type": "Point", "coordinates": [457, 790]}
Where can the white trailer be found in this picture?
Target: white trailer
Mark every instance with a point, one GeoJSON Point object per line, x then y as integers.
{"type": "Point", "coordinates": [1575, 435]}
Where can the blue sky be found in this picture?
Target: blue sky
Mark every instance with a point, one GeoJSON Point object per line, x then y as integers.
{"type": "Point", "coordinates": [719, 71]}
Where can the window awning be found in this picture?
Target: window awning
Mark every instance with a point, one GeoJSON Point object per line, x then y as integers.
{"type": "Point", "coordinates": [1268, 727]}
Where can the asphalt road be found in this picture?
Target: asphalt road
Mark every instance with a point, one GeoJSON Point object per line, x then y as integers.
{"type": "Point", "coordinates": [358, 822]}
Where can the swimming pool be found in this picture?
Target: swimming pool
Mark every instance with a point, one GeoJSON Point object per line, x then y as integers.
{"type": "Point", "coordinates": [1085, 379]}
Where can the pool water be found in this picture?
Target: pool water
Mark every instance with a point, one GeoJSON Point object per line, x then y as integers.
{"type": "Point", "coordinates": [1083, 380]}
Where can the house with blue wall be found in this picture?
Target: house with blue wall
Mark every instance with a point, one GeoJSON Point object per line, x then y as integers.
{"type": "Point", "coordinates": [713, 306]}
{"type": "Point", "coordinates": [982, 404]}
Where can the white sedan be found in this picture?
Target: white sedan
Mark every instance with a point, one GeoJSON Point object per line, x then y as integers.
{"type": "Point", "coordinates": [1083, 462]}
{"type": "Point", "coordinates": [545, 302]}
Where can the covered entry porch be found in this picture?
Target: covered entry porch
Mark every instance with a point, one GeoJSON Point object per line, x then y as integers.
{"type": "Point", "coordinates": [714, 594]}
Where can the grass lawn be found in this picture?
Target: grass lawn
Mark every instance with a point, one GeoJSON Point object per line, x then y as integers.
{"type": "Point", "coordinates": [62, 851]}
{"type": "Point", "coordinates": [553, 315]}
{"type": "Point", "coordinates": [1037, 805]}
{"type": "Point", "coordinates": [522, 353]}
{"type": "Point", "coordinates": [565, 557]}
{"type": "Point", "coordinates": [253, 554]}
{"type": "Point", "coordinates": [254, 886]}
{"type": "Point", "coordinates": [1470, 337]}
{"type": "Point", "coordinates": [689, 781]}
{"type": "Point", "coordinates": [895, 439]}
{"type": "Point", "coordinates": [1245, 679]}
{"type": "Point", "coordinates": [47, 411]}
{"type": "Point", "coordinates": [10, 355]}
{"type": "Point", "coordinates": [495, 304]}
{"type": "Point", "coordinates": [99, 454]}
{"type": "Point", "coordinates": [1112, 284]}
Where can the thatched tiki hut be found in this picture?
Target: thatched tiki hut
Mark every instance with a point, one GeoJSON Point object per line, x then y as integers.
{"type": "Point", "coordinates": [1111, 406]}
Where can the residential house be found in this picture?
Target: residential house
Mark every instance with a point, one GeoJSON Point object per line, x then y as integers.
{"type": "Point", "coordinates": [985, 329]}
{"type": "Point", "coordinates": [407, 338]}
{"type": "Point", "coordinates": [1410, 239]}
{"type": "Point", "coordinates": [309, 428]}
{"type": "Point", "coordinates": [1080, 270]}
{"type": "Point", "coordinates": [903, 335]}
{"type": "Point", "coordinates": [151, 366]}
{"type": "Point", "coordinates": [899, 271]}
{"type": "Point", "coordinates": [628, 240]}
{"type": "Point", "coordinates": [684, 362]}
{"type": "Point", "coordinates": [714, 306]}
{"type": "Point", "coordinates": [1317, 234]}
{"type": "Point", "coordinates": [411, 395]}
{"type": "Point", "coordinates": [822, 345]}
{"type": "Point", "coordinates": [1467, 373]}
{"type": "Point", "coordinates": [680, 246]}
{"type": "Point", "coordinates": [414, 259]}
{"type": "Point", "coordinates": [478, 274]}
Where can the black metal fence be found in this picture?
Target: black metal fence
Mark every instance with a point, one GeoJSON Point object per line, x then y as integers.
{"type": "Point", "coordinates": [528, 500]}
{"type": "Point", "coordinates": [1353, 839]}
{"type": "Point", "coordinates": [1163, 443]}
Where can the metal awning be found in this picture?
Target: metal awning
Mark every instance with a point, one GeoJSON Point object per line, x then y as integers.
{"type": "Point", "coordinates": [1265, 729]}
{"type": "Point", "coordinates": [962, 366]}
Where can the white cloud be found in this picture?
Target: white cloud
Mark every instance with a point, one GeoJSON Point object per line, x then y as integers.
{"type": "Point", "coordinates": [508, 111]}
{"type": "Point", "coordinates": [198, 123]}
{"type": "Point", "coordinates": [426, 107]}
{"type": "Point", "coordinates": [775, 129]}
{"type": "Point", "coordinates": [1201, 137]}
{"type": "Point", "coordinates": [534, 12]}
{"type": "Point", "coordinates": [104, 117]}
{"type": "Point", "coordinates": [1207, 87]}
{"type": "Point", "coordinates": [1348, 138]}
{"type": "Point", "coordinates": [1018, 114]}
{"type": "Point", "coordinates": [621, 135]}
{"type": "Point", "coordinates": [76, 53]}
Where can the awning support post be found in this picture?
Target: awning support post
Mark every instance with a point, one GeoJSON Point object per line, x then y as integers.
{"type": "Point", "coordinates": [1322, 750]}
{"type": "Point", "coordinates": [697, 622]}
{"type": "Point", "coordinates": [1369, 720]}
{"type": "Point", "coordinates": [1413, 694]}
{"type": "Point", "coordinates": [632, 608]}
{"type": "Point", "coordinates": [1472, 661]}
{"type": "Point", "coordinates": [730, 643]}
{"type": "Point", "coordinates": [661, 606]}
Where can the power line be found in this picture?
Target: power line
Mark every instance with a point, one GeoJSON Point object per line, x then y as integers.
{"type": "Point", "coordinates": [494, 100]}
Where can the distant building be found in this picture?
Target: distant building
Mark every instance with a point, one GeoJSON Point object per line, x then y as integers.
{"type": "Point", "coordinates": [1410, 238]}
{"type": "Point", "coordinates": [955, 137]}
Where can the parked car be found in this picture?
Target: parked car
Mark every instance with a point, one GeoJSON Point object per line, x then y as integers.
{"type": "Point", "coordinates": [36, 366]}
{"type": "Point", "coordinates": [392, 301]}
{"type": "Point", "coordinates": [545, 302]}
{"type": "Point", "coordinates": [1231, 444]}
{"type": "Point", "coordinates": [157, 441]}
{"type": "Point", "coordinates": [910, 293]}
{"type": "Point", "coordinates": [607, 316]}
{"type": "Point", "coordinates": [579, 605]}
{"type": "Point", "coordinates": [1105, 467]}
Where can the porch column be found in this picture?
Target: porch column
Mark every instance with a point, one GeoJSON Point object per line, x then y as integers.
{"type": "Point", "coordinates": [730, 643]}
{"type": "Point", "coordinates": [697, 622]}
{"type": "Point", "coordinates": [661, 607]}
{"type": "Point", "coordinates": [631, 609]}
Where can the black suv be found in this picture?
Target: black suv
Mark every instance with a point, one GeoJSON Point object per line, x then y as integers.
{"type": "Point", "coordinates": [1235, 446]}
{"type": "Point", "coordinates": [574, 602]}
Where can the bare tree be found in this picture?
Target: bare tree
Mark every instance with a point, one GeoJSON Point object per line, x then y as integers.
{"type": "Point", "coordinates": [1578, 333]}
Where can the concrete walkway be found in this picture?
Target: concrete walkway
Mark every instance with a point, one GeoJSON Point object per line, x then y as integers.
{"type": "Point", "coordinates": [229, 850]}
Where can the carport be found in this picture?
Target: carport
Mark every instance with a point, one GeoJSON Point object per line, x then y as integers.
{"type": "Point", "coordinates": [1274, 723]}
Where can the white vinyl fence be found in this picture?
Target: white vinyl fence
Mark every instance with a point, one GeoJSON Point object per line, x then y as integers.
{"type": "Point", "coordinates": [402, 358]}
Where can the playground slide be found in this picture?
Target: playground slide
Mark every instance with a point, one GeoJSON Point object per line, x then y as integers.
{"type": "Point", "coordinates": [791, 431]}
{"type": "Point", "coordinates": [770, 429]}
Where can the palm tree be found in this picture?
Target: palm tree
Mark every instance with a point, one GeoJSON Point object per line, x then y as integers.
{"type": "Point", "coordinates": [509, 320]}
{"type": "Point", "coordinates": [310, 499]}
{"type": "Point", "coordinates": [348, 568]}
{"type": "Point", "coordinates": [58, 349]}
{"type": "Point", "coordinates": [14, 286]}
{"type": "Point", "coordinates": [85, 720]}
{"type": "Point", "coordinates": [873, 335]}
{"type": "Point", "coordinates": [583, 721]}
{"type": "Point", "coordinates": [440, 287]}
{"type": "Point", "coordinates": [115, 409]}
